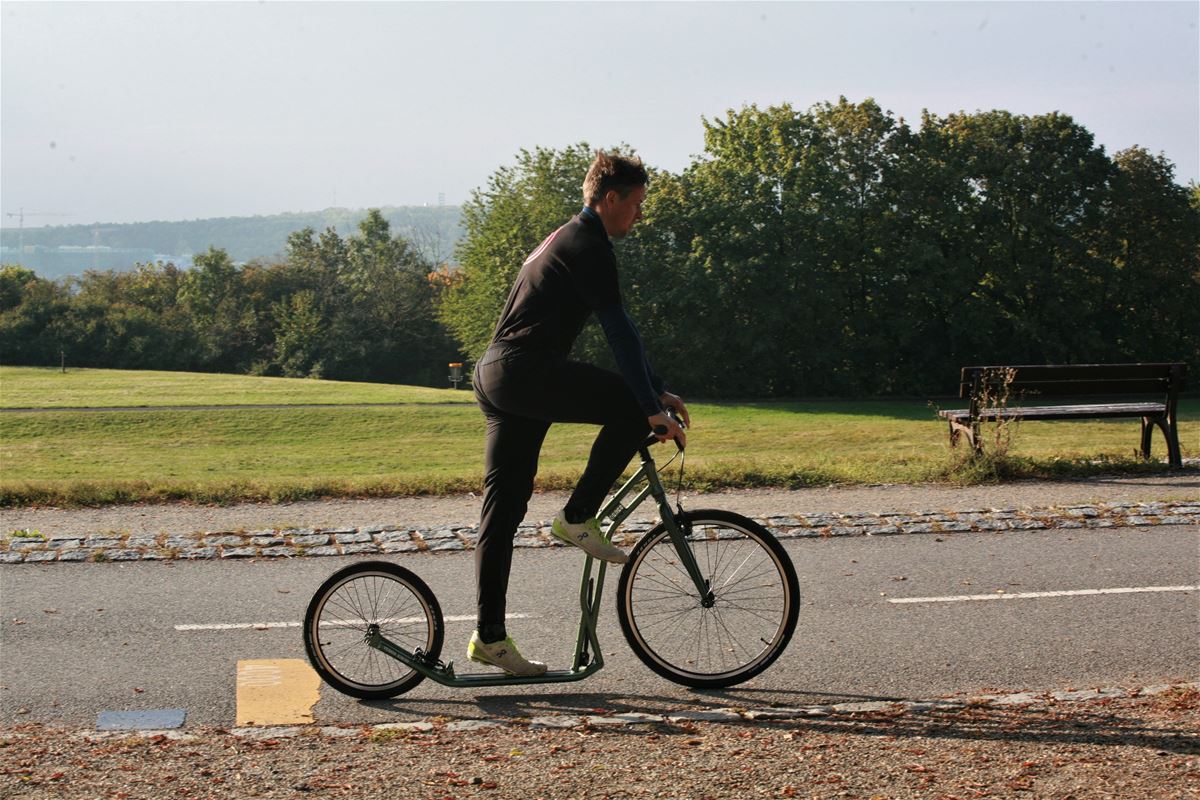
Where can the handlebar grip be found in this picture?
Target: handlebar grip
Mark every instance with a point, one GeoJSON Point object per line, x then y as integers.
{"type": "Point", "coordinates": [661, 430]}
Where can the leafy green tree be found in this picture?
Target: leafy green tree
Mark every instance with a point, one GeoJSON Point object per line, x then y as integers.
{"type": "Point", "coordinates": [773, 238]}
{"type": "Point", "coordinates": [390, 308]}
{"type": "Point", "coordinates": [1150, 242]}
{"type": "Point", "coordinates": [300, 335]}
{"type": "Point", "coordinates": [32, 315]}
{"type": "Point", "coordinates": [367, 308]}
{"type": "Point", "coordinates": [210, 293]}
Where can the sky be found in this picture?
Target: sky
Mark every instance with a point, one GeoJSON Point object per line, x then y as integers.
{"type": "Point", "coordinates": [126, 112]}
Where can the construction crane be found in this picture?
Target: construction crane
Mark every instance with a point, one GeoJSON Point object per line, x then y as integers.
{"type": "Point", "coordinates": [20, 216]}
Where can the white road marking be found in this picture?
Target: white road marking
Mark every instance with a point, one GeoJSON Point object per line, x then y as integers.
{"type": "Point", "coordinates": [963, 598]}
{"type": "Point", "coordinates": [263, 626]}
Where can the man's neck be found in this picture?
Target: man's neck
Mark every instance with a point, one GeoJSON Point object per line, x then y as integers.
{"type": "Point", "coordinates": [591, 212]}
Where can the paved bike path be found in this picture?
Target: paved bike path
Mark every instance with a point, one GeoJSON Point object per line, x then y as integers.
{"type": "Point", "coordinates": [1083, 609]}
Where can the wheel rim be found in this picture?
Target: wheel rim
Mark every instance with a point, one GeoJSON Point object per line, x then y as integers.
{"type": "Point", "coordinates": [355, 604]}
{"type": "Point", "coordinates": [751, 600]}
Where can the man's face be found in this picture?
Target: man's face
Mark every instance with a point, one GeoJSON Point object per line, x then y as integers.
{"type": "Point", "coordinates": [620, 214]}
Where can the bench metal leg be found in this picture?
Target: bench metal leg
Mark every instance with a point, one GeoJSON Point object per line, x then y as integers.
{"type": "Point", "coordinates": [1170, 432]}
{"type": "Point", "coordinates": [957, 429]}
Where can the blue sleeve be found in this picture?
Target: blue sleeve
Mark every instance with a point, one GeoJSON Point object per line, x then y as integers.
{"type": "Point", "coordinates": [630, 356]}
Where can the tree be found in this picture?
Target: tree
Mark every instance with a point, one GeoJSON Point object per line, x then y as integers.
{"type": "Point", "coordinates": [389, 310]}
{"type": "Point", "coordinates": [33, 313]}
{"type": "Point", "coordinates": [299, 335]}
{"type": "Point", "coordinates": [775, 238]}
{"type": "Point", "coordinates": [360, 308]}
{"type": "Point", "coordinates": [211, 294]}
{"type": "Point", "coordinates": [1150, 242]}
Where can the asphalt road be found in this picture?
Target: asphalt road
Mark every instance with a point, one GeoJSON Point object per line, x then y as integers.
{"type": "Point", "coordinates": [78, 639]}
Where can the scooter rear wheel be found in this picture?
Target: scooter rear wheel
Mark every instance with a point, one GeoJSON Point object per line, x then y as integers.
{"type": "Point", "coordinates": [356, 600]}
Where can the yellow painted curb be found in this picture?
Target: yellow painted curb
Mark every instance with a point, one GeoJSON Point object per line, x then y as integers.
{"type": "Point", "coordinates": [276, 691]}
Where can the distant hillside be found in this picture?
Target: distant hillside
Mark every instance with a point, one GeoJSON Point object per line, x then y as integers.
{"type": "Point", "coordinates": [70, 249]}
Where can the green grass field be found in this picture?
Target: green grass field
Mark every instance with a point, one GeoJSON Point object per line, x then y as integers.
{"type": "Point", "coordinates": [435, 446]}
{"type": "Point", "coordinates": [37, 387]}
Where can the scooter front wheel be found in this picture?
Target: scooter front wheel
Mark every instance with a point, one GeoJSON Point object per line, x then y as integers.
{"type": "Point", "coordinates": [731, 632]}
{"type": "Point", "coordinates": [354, 602]}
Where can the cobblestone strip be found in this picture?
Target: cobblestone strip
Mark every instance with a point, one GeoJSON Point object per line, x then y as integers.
{"type": "Point", "coordinates": [629, 719]}
{"type": "Point", "coordinates": [27, 547]}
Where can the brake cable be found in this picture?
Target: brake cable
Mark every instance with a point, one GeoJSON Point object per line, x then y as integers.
{"type": "Point", "coordinates": [681, 454]}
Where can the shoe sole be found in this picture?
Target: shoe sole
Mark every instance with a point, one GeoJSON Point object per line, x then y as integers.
{"type": "Point", "coordinates": [487, 663]}
{"type": "Point", "coordinates": [612, 560]}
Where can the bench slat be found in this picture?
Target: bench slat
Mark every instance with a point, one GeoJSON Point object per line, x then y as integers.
{"type": "Point", "coordinates": [1109, 386]}
{"type": "Point", "coordinates": [1067, 372]}
{"type": "Point", "coordinates": [1061, 412]}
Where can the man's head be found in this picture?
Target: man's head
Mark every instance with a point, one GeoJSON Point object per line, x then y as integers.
{"type": "Point", "coordinates": [614, 188]}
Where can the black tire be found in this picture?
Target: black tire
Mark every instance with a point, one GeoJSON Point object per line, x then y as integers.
{"type": "Point", "coordinates": [746, 628]}
{"type": "Point", "coordinates": [363, 594]}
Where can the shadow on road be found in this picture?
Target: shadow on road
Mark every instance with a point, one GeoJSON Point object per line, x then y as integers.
{"type": "Point", "coordinates": [1158, 724]}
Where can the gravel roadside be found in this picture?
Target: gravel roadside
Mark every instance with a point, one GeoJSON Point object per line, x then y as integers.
{"type": "Point", "coordinates": [464, 509]}
{"type": "Point", "coordinates": [1103, 748]}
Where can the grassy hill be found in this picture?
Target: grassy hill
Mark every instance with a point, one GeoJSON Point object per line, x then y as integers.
{"type": "Point", "coordinates": [431, 442]}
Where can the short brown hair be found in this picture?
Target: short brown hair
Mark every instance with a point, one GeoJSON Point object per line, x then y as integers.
{"type": "Point", "coordinates": [613, 171]}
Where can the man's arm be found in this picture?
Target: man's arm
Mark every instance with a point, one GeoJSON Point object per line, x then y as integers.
{"type": "Point", "coordinates": [630, 355]}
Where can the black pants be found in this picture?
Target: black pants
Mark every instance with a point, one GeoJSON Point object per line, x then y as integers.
{"type": "Point", "coordinates": [521, 393]}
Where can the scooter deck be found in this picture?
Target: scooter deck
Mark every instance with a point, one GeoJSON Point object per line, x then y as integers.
{"type": "Point", "coordinates": [503, 679]}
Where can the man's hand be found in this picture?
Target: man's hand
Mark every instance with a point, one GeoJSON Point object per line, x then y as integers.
{"type": "Point", "coordinates": [675, 402]}
{"type": "Point", "coordinates": [664, 420]}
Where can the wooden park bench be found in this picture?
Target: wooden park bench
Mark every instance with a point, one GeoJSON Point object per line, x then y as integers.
{"type": "Point", "coordinates": [990, 389]}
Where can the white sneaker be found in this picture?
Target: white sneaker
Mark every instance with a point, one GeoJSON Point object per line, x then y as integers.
{"type": "Point", "coordinates": [587, 536]}
{"type": "Point", "coordinates": [503, 655]}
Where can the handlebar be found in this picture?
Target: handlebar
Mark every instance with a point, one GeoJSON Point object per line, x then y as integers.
{"type": "Point", "coordinates": [660, 430]}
